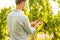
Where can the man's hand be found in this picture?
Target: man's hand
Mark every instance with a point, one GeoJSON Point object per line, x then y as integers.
{"type": "Point", "coordinates": [36, 23]}
{"type": "Point", "coordinates": [33, 23]}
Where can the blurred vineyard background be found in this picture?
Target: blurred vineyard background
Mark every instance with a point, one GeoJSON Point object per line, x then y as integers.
{"type": "Point", "coordinates": [36, 10]}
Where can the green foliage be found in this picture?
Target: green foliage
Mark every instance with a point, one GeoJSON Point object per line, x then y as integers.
{"type": "Point", "coordinates": [42, 10]}
{"type": "Point", "coordinates": [3, 27]}
{"type": "Point", "coordinates": [58, 2]}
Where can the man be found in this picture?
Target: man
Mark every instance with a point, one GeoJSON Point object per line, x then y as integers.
{"type": "Point", "coordinates": [18, 23]}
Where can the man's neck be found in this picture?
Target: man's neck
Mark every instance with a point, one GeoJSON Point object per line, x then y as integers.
{"type": "Point", "coordinates": [19, 7]}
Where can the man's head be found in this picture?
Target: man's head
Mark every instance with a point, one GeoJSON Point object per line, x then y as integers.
{"type": "Point", "coordinates": [20, 3]}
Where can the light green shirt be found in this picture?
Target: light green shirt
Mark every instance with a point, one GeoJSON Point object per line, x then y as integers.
{"type": "Point", "coordinates": [19, 25]}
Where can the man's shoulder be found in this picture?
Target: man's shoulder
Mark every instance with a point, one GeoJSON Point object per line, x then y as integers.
{"type": "Point", "coordinates": [13, 13]}
{"type": "Point", "coordinates": [10, 13]}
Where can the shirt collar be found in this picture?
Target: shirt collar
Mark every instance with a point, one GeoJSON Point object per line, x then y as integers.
{"type": "Point", "coordinates": [19, 11]}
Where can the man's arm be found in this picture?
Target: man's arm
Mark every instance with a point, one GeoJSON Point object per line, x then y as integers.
{"type": "Point", "coordinates": [36, 23]}
{"type": "Point", "coordinates": [27, 27]}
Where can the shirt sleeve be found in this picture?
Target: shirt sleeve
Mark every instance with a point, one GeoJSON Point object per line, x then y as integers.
{"type": "Point", "coordinates": [27, 27]}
